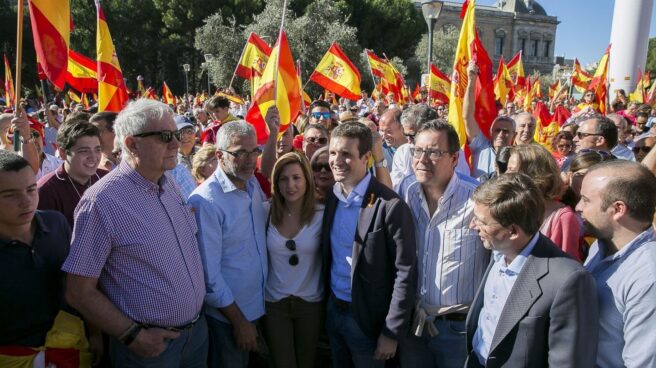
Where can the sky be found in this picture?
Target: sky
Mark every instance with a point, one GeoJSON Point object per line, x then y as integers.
{"type": "Point", "coordinates": [585, 25]}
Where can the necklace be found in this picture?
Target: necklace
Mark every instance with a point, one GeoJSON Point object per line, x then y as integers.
{"type": "Point", "coordinates": [79, 196]}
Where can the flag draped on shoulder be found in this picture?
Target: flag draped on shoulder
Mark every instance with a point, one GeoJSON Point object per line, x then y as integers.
{"type": "Point", "coordinates": [278, 86]}
{"type": "Point", "coordinates": [470, 48]}
{"type": "Point", "coordinates": [10, 95]}
{"type": "Point", "coordinates": [51, 31]}
{"type": "Point", "coordinates": [254, 57]}
{"type": "Point", "coordinates": [81, 73]}
{"type": "Point", "coordinates": [112, 93]}
{"type": "Point", "coordinates": [168, 96]}
{"type": "Point", "coordinates": [599, 82]}
{"type": "Point", "coordinates": [439, 85]}
{"type": "Point", "coordinates": [336, 73]}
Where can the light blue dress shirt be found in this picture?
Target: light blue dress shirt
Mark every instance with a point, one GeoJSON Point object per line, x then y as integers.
{"type": "Point", "coordinates": [342, 235]}
{"type": "Point", "coordinates": [183, 178]}
{"type": "Point", "coordinates": [232, 241]}
{"type": "Point", "coordinates": [498, 286]}
{"type": "Point", "coordinates": [483, 156]}
{"type": "Point", "coordinates": [626, 288]}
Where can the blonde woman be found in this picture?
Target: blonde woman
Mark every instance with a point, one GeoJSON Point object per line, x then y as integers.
{"type": "Point", "coordinates": [204, 163]}
{"type": "Point", "coordinates": [294, 292]}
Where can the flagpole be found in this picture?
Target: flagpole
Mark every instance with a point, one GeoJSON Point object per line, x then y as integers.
{"type": "Point", "coordinates": [275, 70]}
{"type": "Point", "coordinates": [430, 83]}
{"type": "Point", "coordinates": [373, 78]}
{"type": "Point", "coordinates": [19, 61]}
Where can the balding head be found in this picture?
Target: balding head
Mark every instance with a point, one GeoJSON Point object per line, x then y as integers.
{"type": "Point", "coordinates": [390, 128]}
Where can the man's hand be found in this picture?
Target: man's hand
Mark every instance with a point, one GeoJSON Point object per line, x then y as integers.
{"type": "Point", "coordinates": [20, 123]}
{"type": "Point", "coordinates": [386, 348]}
{"type": "Point", "coordinates": [472, 70]}
{"type": "Point", "coordinates": [151, 342]}
{"type": "Point", "coordinates": [272, 120]}
{"type": "Point", "coordinates": [245, 335]}
{"type": "Point", "coordinates": [377, 147]}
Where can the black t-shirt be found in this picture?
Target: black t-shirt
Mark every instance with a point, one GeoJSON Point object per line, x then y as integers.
{"type": "Point", "coordinates": [31, 281]}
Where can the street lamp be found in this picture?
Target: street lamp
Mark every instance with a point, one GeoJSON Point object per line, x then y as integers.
{"type": "Point", "coordinates": [431, 10]}
{"type": "Point", "coordinates": [208, 59]}
{"type": "Point", "coordinates": [186, 68]}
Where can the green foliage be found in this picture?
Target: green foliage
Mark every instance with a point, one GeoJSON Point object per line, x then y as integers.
{"type": "Point", "coordinates": [444, 49]}
{"type": "Point", "coordinates": [651, 56]}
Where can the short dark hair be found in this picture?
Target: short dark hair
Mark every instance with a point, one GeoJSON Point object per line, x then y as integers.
{"type": "Point", "coordinates": [607, 129]}
{"type": "Point", "coordinates": [12, 162]}
{"type": "Point", "coordinates": [439, 125]}
{"type": "Point", "coordinates": [320, 103]}
{"type": "Point", "coordinates": [641, 114]}
{"type": "Point", "coordinates": [631, 183]}
{"type": "Point", "coordinates": [70, 131]}
{"type": "Point", "coordinates": [418, 115]}
{"type": "Point", "coordinates": [107, 116]}
{"type": "Point", "coordinates": [217, 102]}
{"type": "Point", "coordinates": [78, 115]}
{"type": "Point", "coordinates": [513, 199]}
{"type": "Point", "coordinates": [358, 131]}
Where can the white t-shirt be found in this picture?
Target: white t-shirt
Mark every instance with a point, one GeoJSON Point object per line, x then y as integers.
{"type": "Point", "coordinates": [302, 280]}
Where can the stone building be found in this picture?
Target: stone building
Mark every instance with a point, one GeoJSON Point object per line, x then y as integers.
{"type": "Point", "coordinates": [508, 27]}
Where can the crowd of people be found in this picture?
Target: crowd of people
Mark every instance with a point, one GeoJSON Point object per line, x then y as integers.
{"type": "Point", "coordinates": [181, 242]}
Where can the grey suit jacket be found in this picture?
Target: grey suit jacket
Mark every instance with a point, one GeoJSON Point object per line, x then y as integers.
{"type": "Point", "coordinates": [550, 318]}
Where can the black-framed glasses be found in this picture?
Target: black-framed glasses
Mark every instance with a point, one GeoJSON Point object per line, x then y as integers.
{"type": "Point", "coordinates": [433, 154]}
{"type": "Point", "coordinates": [317, 167]}
{"type": "Point", "coordinates": [291, 245]}
{"type": "Point", "coordinates": [165, 135]}
{"type": "Point", "coordinates": [317, 140]}
{"type": "Point", "coordinates": [582, 135]}
{"type": "Point", "coordinates": [242, 154]}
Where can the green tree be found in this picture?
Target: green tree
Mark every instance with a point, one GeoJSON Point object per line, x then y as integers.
{"type": "Point", "coordinates": [445, 43]}
{"type": "Point", "coordinates": [651, 56]}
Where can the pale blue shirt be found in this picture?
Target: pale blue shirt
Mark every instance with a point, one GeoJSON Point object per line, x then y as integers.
{"type": "Point", "coordinates": [342, 235]}
{"type": "Point", "coordinates": [626, 288]}
{"type": "Point", "coordinates": [232, 241]}
{"type": "Point", "coordinates": [499, 284]}
{"type": "Point", "coordinates": [622, 152]}
{"type": "Point", "coordinates": [483, 156]}
{"type": "Point", "coordinates": [183, 179]}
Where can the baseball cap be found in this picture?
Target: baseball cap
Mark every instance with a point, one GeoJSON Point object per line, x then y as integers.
{"type": "Point", "coordinates": [182, 122]}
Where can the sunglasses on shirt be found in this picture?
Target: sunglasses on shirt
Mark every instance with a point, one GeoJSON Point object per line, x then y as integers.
{"type": "Point", "coordinates": [291, 245]}
{"type": "Point", "coordinates": [165, 135]}
{"type": "Point", "coordinates": [319, 115]}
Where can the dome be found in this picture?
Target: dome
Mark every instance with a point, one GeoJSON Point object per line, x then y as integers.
{"type": "Point", "coordinates": [521, 6]}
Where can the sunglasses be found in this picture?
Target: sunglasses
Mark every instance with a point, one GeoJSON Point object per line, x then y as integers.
{"type": "Point", "coordinates": [241, 154]}
{"type": "Point", "coordinates": [291, 245]}
{"type": "Point", "coordinates": [319, 115]}
{"type": "Point", "coordinates": [165, 135]}
{"type": "Point", "coordinates": [317, 140]}
{"type": "Point", "coordinates": [316, 167]}
{"type": "Point", "coordinates": [582, 135]}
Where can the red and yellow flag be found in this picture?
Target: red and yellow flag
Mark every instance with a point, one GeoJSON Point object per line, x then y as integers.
{"type": "Point", "coordinates": [580, 78]}
{"type": "Point", "coordinates": [470, 48]}
{"type": "Point", "coordinates": [74, 96]}
{"type": "Point", "coordinates": [338, 74]}
{"type": "Point", "coordinates": [516, 70]}
{"type": "Point", "coordinates": [112, 93]}
{"type": "Point", "coordinates": [81, 73]}
{"type": "Point", "coordinates": [502, 82]}
{"type": "Point", "coordinates": [545, 128]}
{"type": "Point", "coordinates": [554, 89]}
{"type": "Point", "coordinates": [599, 82]}
{"type": "Point", "coordinates": [141, 90]}
{"type": "Point", "coordinates": [235, 99]}
{"type": "Point", "coordinates": [51, 31]}
{"type": "Point", "coordinates": [640, 92]}
{"type": "Point", "coordinates": [151, 94]}
{"type": "Point", "coordinates": [254, 57]}
{"type": "Point", "coordinates": [10, 95]}
{"type": "Point", "coordinates": [278, 86]}
{"type": "Point", "coordinates": [168, 96]}
{"type": "Point", "coordinates": [439, 86]}
{"type": "Point", "coordinates": [385, 71]}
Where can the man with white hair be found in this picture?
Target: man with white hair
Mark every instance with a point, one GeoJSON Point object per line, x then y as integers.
{"type": "Point", "coordinates": [134, 269]}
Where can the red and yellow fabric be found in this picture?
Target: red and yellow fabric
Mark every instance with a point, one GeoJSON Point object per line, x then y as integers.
{"type": "Point", "coordinates": [470, 48]}
{"type": "Point", "coordinates": [336, 73]}
{"type": "Point", "coordinates": [382, 68]}
{"type": "Point", "coordinates": [580, 78]}
{"type": "Point", "coordinates": [236, 99]}
{"type": "Point", "coordinates": [545, 128]}
{"type": "Point", "coordinates": [439, 86]}
{"type": "Point", "coordinates": [81, 73]}
{"type": "Point", "coordinates": [503, 84]}
{"type": "Point", "coordinates": [141, 90]}
{"type": "Point", "coordinates": [151, 94]}
{"type": "Point", "coordinates": [51, 32]}
{"type": "Point", "coordinates": [278, 86]}
{"type": "Point", "coordinates": [10, 94]}
{"type": "Point", "coordinates": [254, 57]}
{"type": "Point", "coordinates": [74, 96]}
{"type": "Point", "coordinates": [599, 82]}
{"type": "Point", "coordinates": [85, 101]}
{"type": "Point", "coordinates": [516, 70]}
{"type": "Point", "coordinates": [112, 93]}
{"type": "Point", "coordinates": [640, 93]}
{"type": "Point", "coordinates": [168, 96]}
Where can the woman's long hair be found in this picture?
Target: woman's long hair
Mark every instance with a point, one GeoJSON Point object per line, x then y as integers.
{"type": "Point", "coordinates": [278, 201]}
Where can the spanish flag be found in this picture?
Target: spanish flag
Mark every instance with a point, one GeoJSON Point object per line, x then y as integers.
{"type": "Point", "coordinates": [546, 129]}
{"type": "Point", "coordinates": [112, 93]}
{"type": "Point", "coordinates": [141, 90]}
{"type": "Point", "coordinates": [236, 99]}
{"type": "Point", "coordinates": [503, 84]}
{"type": "Point", "coordinates": [554, 90]}
{"type": "Point", "coordinates": [51, 31]}
{"type": "Point", "coordinates": [10, 95]}
{"type": "Point", "coordinates": [470, 48]}
{"type": "Point", "coordinates": [150, 94]}
{"type": "Point", "coordinates": [254, 57]}
{"type": "Point", "coordinates": [81, 73]}
{"type": "Point", "coordinates": [439, 85]}
{"type": "Point", "coordinates": [74, 96]}
{"type": "Point", "coordinates": [600, 80]}
{"type": "Point", "coordinates": [278, 86]}
{"type": "Point", "coordinates": [516, 70]}
{"type": "Point", "coordinates": [382, 69]}
{"type": "Point", "coordinates": [337, 74]}
{"type": "Point", "coordinates": [168, 96]}
{"type": "Point", "coordinates": [640, 94]}
{"type": "Point", "coordinates": [580, 78]}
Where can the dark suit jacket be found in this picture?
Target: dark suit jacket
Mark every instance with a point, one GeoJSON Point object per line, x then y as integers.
{"type": "Point", "coordinates": [384, 275]}
{"type": "Point", "coordinates": [550, 318]}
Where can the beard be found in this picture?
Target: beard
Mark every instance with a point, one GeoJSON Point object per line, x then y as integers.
{"type": "Point", "coordinates": [594, 231]}
{"type": "Point", "coordinates": [231, 170]}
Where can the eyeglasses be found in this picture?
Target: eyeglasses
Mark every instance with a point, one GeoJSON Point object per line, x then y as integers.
{"type": "Point", "coordinates": [643, 149]}
{"type": "Point", "coordinates": [567, 146]}
{"type": "Point", "coordinates": [476, 221]}
{"type": "Point", "coordinates": [433, 154]}
{"type": "Point", "coordinates": [291, 245]}
{"type": "Point", "coordinates": [241, 154]}
{"type": "Point", "coordinates": [319, 115]}
{"type": "Point", "coordinates": [317, 167]}
{"type": "Point", "coordinates": [165, 135]}
{"type": "Point", "coordinates": [316, 140]}
{"type": "Point", "coordinates": [582, 135]}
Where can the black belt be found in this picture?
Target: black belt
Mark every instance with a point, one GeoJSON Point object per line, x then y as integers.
{"type": "Point", "coordinates": [175, 328]}
{"type": "Point", "coordinates": [458, 317]}
{"type": "Point", "coordinates": [339, 303]}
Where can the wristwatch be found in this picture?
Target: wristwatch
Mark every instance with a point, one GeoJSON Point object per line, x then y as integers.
{"type": "Point", "coordinates": [381, 163]}
{"type": "Point", "coordinates": [130, 334]}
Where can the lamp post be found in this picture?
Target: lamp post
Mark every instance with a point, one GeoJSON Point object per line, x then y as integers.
{"type": "Point", "coordinates": [431, 10]}
{"type": "Point", "coordinates": [186, 68]}
{"type": "Point", "coordinates": [208, 59]}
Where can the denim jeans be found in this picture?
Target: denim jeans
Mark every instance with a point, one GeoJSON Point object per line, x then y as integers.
{"type": "Point", "coordinates": [446, 350]}
{"type": "Point", "coordinates": [349, 346]}
{"type": "Point", "coordinates": [188, 350]}
{"type": "Point", "coordinates": [223, 349]}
